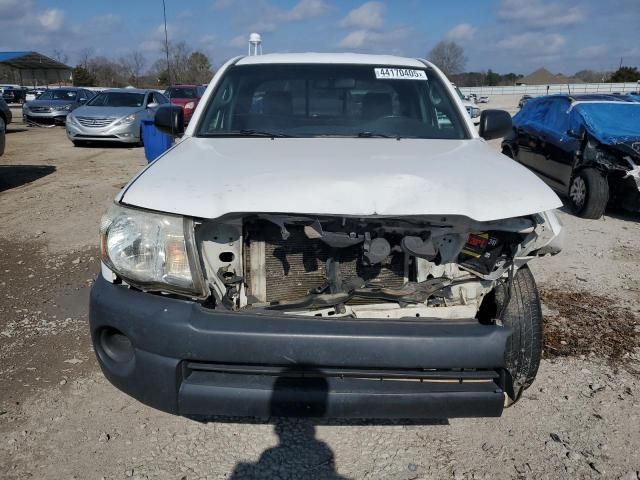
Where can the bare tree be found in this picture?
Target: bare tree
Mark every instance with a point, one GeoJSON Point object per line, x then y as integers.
{"type": "Point", "coordinates": [60, 56]}
{"type": "Point", "coordinates": [85, 57]}
{"type": "Point", "coordinates": [106, 72]}
{"type": "Point", "coordinates": [449, 57]}
{"type": "Point", "coordinates": [133, 66]}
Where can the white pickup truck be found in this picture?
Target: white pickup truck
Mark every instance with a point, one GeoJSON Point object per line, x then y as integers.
{"type": "Point", "coordinates": [330, 237]}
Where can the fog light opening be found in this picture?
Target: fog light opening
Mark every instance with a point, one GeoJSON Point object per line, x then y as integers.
{"type": "Point", "coordinates": [115, 345]}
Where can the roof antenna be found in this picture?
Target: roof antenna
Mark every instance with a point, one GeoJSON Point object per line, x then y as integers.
{"type": "Point", "coordinates": [166, 49]}
{"type": "Point", "coordinates": [166, 41]}
{"type": "Point", "coordinates": [255, 44]}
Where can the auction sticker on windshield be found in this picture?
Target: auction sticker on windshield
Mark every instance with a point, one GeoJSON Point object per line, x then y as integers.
{"type": "Point", "coordinates": [399, 74]}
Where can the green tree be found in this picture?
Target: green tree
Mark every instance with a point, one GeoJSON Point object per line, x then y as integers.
{"type": "Point", "coordinates": [625, 74]}
{"type": "Point", "coordinates": [198, 68]}
{"type": "Point", "coordinates": [493, 78]}
{"type": "Point", "coordinates": [83, 78]}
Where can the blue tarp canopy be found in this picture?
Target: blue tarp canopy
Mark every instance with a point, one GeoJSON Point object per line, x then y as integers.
{"type": "Point", "coordinates": [609, 122]}
{"type": "Point", "coordinates": [30, 61]}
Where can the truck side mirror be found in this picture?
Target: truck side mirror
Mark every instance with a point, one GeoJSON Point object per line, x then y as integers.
{"type": "Point", "coordinates": [169, 119]}
{"type": "Point", "coordinates": [494, 124]}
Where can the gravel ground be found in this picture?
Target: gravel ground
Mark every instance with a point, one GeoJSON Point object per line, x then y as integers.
{"type": "Point", "coordinates": [60, 419]}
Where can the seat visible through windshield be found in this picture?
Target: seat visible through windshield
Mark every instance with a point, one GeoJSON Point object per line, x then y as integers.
{"type": "Point", "coordinates": [332, 100]}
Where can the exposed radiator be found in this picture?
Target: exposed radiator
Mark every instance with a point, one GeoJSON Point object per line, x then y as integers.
{"type": "Point", "coordinates": [294, 266]}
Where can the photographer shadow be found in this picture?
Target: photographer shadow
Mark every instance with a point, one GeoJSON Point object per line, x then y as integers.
{"type": "Point", "coordinates": [299, 454]}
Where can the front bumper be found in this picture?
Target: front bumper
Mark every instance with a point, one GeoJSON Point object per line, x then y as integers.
{"type": "Point", "coordinates": [128, 133]}
{"type": "Point", "coordinates": [189, 360]}
{"type": "Point", "coordinates": [53, 117]}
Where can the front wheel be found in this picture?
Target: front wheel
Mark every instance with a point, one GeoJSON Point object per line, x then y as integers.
{"type": "Point", "coordinates": [589, 193]}
{"type": "Point", "coordinates": [522, 314]}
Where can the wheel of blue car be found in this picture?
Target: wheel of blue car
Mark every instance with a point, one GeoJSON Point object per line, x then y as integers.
{"type": "Point", "coordinates": [519, 309]}
{"type": "Point", "coordinates": [589, 193]}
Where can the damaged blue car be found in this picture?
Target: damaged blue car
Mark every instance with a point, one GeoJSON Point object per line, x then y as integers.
{"type": "Point", "coordinates": [585, 147]}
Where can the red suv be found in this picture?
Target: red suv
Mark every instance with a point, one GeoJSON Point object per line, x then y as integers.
{"type": "Point", "coordinates": [186, 96]}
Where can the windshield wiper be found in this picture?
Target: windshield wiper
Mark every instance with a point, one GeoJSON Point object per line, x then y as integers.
{"type": "Point", "coordinates": [261, 133]}
{"type": "Point", "coordinates": [245, 133]}
{"type": "Point", "coordinates": [376, 134]}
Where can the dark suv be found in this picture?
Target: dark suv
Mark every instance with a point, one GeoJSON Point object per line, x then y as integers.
{"type": "Point", "coordinates": [5, 119]}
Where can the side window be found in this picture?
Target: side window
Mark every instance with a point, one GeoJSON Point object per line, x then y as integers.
{"type": "Point", "coordinates": [151, 98]}
{"type": "Point", "coordinates": [557, 116]}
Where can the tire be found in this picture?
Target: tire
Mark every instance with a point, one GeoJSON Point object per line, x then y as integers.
{"type": "Point", "coordinates": [589, 193]}
{"type": "Point", "coordinates": [523, 315]}
{"type": "Point", "coordinates": [3, 131]}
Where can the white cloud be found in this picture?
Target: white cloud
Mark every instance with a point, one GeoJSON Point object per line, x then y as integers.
{"type": "Point", "coordinates": [51, 20]}
{"type": "Point", "coordinates": [531, 42]}
{"type": "Point", "coordinates": [239, 41]}
{"type": "Point", "coordinates": [540, 14]}
{"type": "Point", "coordinates": [365, 39]}
{"type": "Point", "coordinates": [305, 9]}
{"type": "Point", "coordinates": [592, 51]}
{"type": "Point", "coordinates": [461, 33]}
{"type": "Point", "coordinates": [369, 15]}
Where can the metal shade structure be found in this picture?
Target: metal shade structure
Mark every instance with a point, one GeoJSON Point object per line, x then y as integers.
{"type": "Point", "coordinates": [32, 68]}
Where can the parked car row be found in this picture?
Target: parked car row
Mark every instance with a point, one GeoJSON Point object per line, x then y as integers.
{"type": "Point", "coordinates": [114, 116]}
{"type": "Point", "coordinates": [53, 106]}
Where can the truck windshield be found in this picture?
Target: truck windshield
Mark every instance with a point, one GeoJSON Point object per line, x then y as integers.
{"type": "Point", "coordinates": [332, 100]}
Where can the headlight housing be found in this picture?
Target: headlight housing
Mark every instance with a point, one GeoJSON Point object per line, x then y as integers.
{"type": "Point", "coordinates": [190, 106]}
{"type": "Point", "coordinates": [151, 251]}
{"type": "Point", "coordinates": [128, 119]}
{"type": "Point", "coordinates": [62, 107]}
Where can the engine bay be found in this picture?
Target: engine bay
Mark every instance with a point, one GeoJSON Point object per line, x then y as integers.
{"type": "Point", "coordinates": [362, 267]}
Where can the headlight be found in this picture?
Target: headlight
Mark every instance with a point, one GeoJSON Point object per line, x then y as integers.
{"type": "Point", "coordinates": [475, 112]}
{"type": "Point", "coordinates": [190, 106]}
{"type": "Point", "coordinates": [62, 107]}
{"type": "Point", "coordinates": [128, 119]}
{"type": "Point", "coordinates": [151, 251]}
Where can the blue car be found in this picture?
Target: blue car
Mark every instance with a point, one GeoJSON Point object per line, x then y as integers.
{"type": "Point", "coordinates": [585, 147]}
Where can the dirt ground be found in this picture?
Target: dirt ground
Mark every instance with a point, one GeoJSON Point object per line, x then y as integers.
{"type": "Point", "coordinates": [60, 419]}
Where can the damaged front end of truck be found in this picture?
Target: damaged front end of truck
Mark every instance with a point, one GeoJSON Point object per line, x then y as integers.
{"type": "Point", "coordinates": [414, 312]}
{"type": "Point", "coordinates": [332, 266]}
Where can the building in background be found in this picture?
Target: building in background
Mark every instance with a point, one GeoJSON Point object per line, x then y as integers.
{"type": "Point", "coordinates": [32, 69]}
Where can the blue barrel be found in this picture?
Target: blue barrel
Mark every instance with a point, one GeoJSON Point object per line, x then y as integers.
{"type": "Point", "coordinates": [155, 142]}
